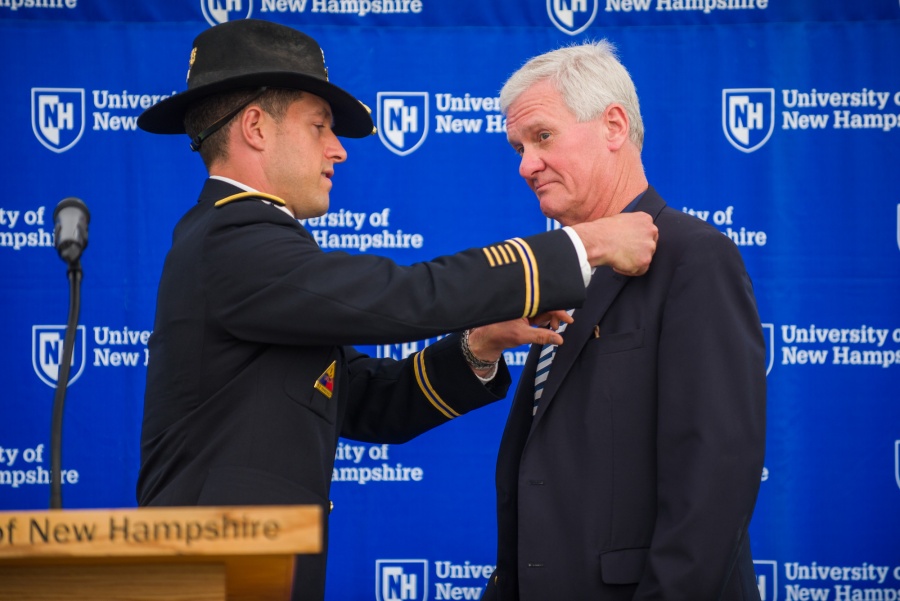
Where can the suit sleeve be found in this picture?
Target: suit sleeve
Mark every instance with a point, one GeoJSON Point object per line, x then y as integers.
{"type": "Point", "coordinates": [711, 433]}
{"type": "Point", "coordinates": [393, 401]}
{"type": "Point", "coordinates": [269, 282]}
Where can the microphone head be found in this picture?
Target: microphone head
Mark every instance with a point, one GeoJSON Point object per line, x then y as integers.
{"type": "Point", "coordinates": [71, 217]}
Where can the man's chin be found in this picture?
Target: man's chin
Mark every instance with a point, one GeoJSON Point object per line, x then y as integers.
{"type": "Point", "coordinates": [314, 210]}
{"type": "Point", "coordinates": [551, 212]}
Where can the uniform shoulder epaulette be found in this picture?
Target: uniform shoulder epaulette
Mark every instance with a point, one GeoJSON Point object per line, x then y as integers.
{"type": "Point", "coordinates": [244, 195]}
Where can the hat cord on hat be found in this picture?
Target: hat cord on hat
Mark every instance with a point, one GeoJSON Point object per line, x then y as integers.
{"type": "Point", "coordinates": [197, 140]}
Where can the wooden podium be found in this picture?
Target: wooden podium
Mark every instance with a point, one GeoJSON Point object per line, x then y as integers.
{"type": "Point", "coordinates": [171, 553]}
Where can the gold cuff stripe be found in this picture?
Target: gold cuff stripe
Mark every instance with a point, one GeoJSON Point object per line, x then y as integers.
{"type": "Point", "coordinates": [532, 281]}
{"type": "Point", "coordinates": [242, 195]}
{"type": "Point", "coordinates": [433, 397]}
{"type": "Point", "coordinates": [500, 254]}
{"type": "Point", "coordinates": [487, 253]}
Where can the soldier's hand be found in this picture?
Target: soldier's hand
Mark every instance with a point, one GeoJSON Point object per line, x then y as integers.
{"type": "Point", "coordinates": [626, 242]}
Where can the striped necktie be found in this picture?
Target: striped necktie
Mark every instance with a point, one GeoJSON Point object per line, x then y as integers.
{"type": "Point", "coordinates": [548, 351]}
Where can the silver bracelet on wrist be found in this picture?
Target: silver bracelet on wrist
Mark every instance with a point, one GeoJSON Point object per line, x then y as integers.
{"type": "Point", "coordinates": [471, 359]}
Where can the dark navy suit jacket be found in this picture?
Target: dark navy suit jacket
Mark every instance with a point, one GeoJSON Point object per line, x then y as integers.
{"type": "Point", "coordinates": [638, 475]}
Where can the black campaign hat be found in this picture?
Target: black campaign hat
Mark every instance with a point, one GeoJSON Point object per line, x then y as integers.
{"type": "Point", "coordinates": [251, 53]}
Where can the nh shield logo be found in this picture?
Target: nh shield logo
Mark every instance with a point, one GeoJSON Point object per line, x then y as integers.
{"type": "Point", "coordinates": [769, 336]}
{"type": "Point", "coordinates": [402, 120]}
{"type": "Point", "coordinates": [767, 579]}
{"type": "Point", "coordinates": [57, 116]}
{"type": "Point", "coordinates": [748, 117]}
{"type": "Point", "coordinates": [572, 16]}
{"type": "Point", "coordinates": [220, 11]}
{"type": "Point", "coordinates": [47, 351]}
{"type": "Point", "coordinates": [401, 580]}
{"type": "Point", "coordinates": [897, 461]}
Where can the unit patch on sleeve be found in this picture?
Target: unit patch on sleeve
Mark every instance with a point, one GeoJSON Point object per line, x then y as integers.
{"type": "Point", "coordinates": [325, 382]}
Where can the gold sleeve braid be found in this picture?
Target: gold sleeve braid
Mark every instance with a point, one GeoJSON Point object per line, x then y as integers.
{"type": "Point", "coordinates": [510, 252]}
{"type": "Point", "coordinates": [428, 390]}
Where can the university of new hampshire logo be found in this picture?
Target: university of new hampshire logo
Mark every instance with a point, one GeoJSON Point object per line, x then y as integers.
{"type": "Point", "coordinates": [769, 336]}
{"type": "Point", "coordinates": [572, 16]}
{"type": "Point", "coordinates": [220, 11]}
{"type": "Point", "coordinates": [748, 117]}
{"type": "Point", "coordinates": [57, 116]}
{"type": "Point", "coordinates": [897, 461]}
{"type": "Point", "coordinates": [47, 351]}
{"type": "Point", "coordinates": [402, 120]}
{"type": "Point", "coordinates": [401, 580]}
{"type": "Point", "coordinates": [766, 579]}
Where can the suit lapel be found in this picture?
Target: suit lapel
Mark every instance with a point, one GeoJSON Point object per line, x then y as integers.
{"type": "Point", "coordinates": [603, 290]}
{"type": "Point", "coordinates": [517, 427]}
{"type": "Point", "coordinates": [523, 400]}
{"type": "Point", "coordinates": [605, 286]}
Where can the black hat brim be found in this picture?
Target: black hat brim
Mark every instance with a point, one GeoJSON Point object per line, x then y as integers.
{"type": "Point", "coordinates": [351, 117]}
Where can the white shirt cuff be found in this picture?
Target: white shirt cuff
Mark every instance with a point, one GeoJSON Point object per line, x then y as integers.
{"type": "Point", "coordinates": [582, 255]}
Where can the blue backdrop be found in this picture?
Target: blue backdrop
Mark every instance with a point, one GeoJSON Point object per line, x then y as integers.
{"type": "Point", "coordinates": [776, 120]}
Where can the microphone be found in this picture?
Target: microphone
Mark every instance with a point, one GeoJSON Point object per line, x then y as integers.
{"type": "Point", "coordinates": [71, 217]}
{"type": "Point", "coordinates": [71, 232]}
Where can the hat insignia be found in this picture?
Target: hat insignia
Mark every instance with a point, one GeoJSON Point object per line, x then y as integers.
{"type": "Point", "coordinates": [191, 62]}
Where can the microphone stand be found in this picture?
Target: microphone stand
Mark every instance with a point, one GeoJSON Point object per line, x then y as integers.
{"type": "Point", "coordinates": [59, 399]}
